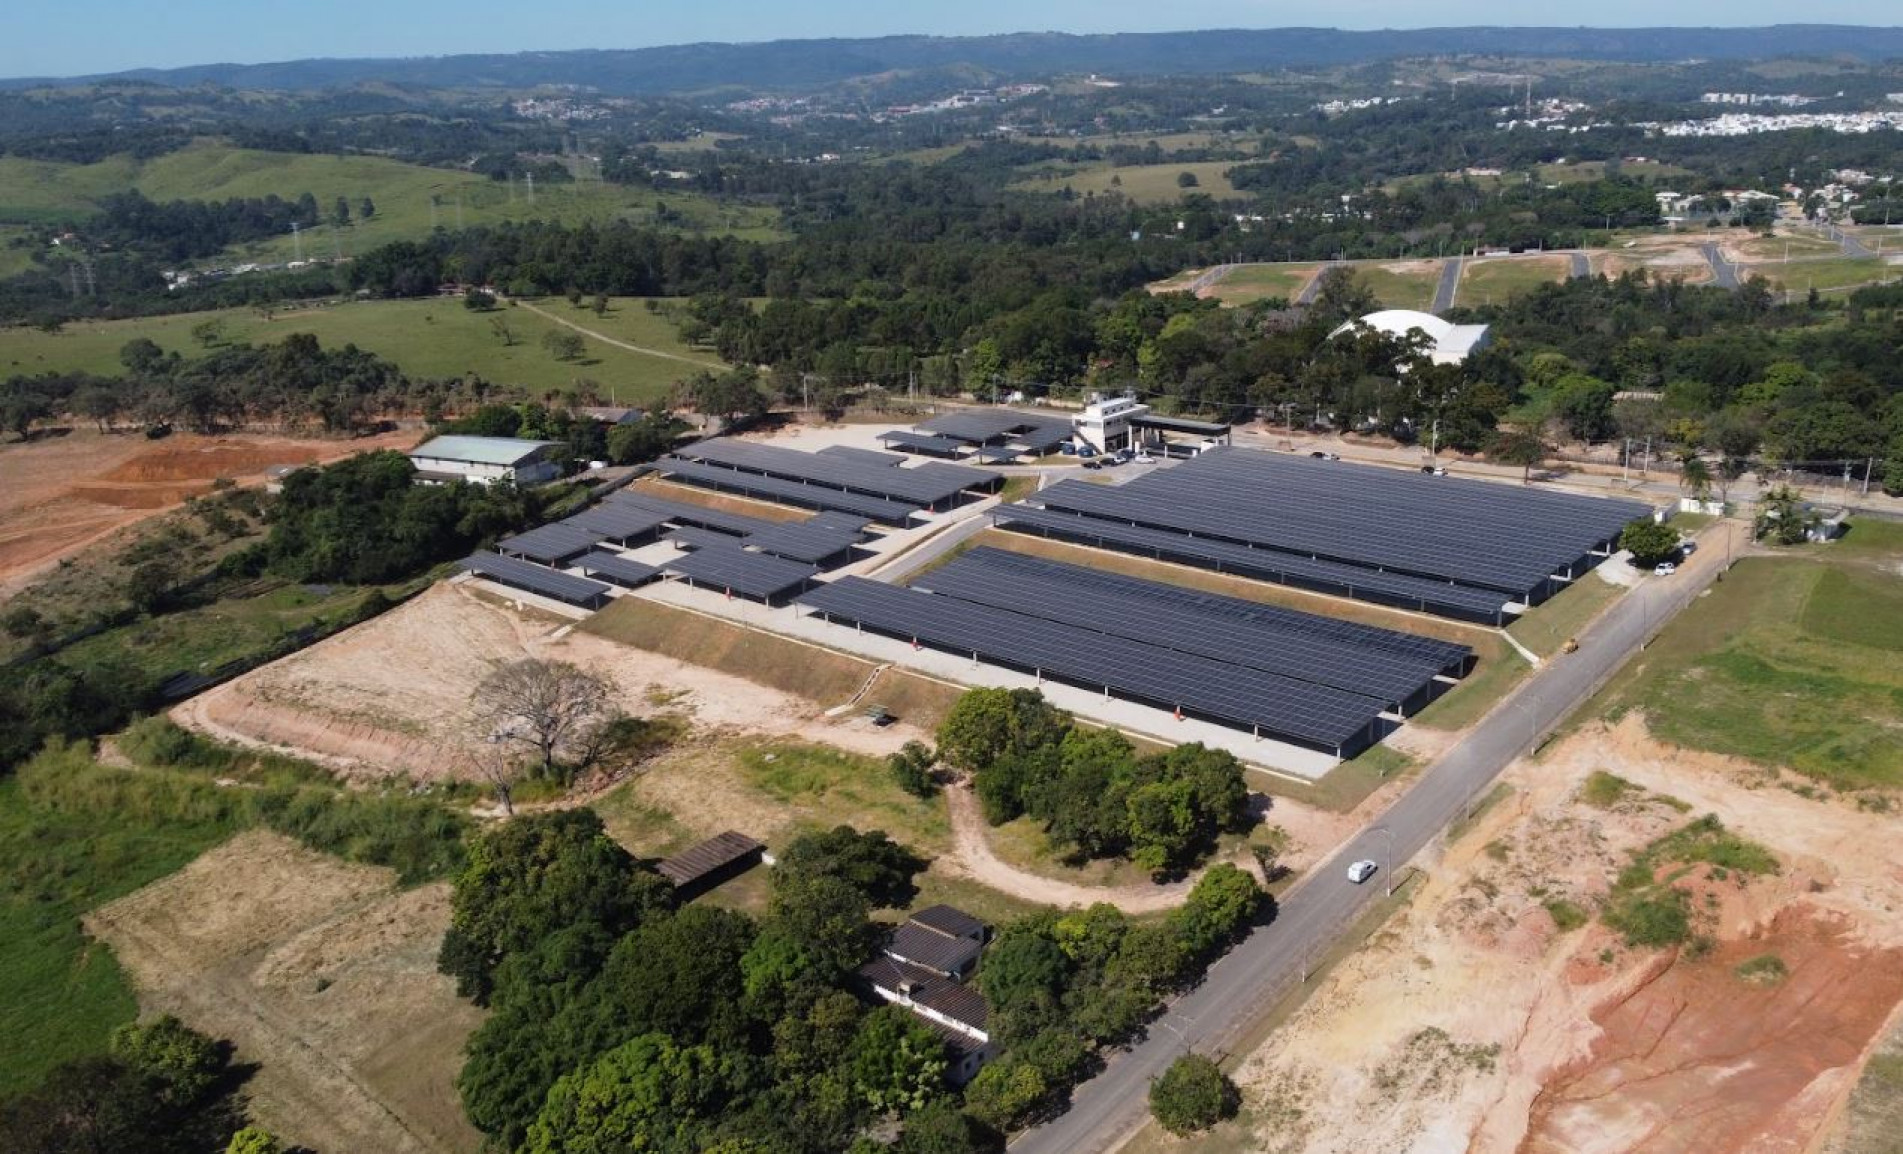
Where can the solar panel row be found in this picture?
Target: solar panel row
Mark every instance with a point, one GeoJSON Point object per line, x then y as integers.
{"type": "Point", "coordinates": [617, 568]}
{"type": "Point", "coordinates": [787, 492]}
{"type": "Point", "coordinates": [1396, 589]}
{"type": "Point", "coordinates": [735, 570]}
{"type": "Point", "coordinates": [618, 520]}
{"type": "Point", "coordinates": [1313, 715]}
{"type": "Point", "coordinates": [981, 426]}
{"type": "Point", "coordinates": [863, 456]}
{"type": "Point", "coordinates": [930, 484]}
{"type": "Point", "coordinates": [1143, 613]}
{"type": "Point", "coordinates": [803, 541]}
{"type": "Point", "coordinates": [697, 516]}
{"type": "Point", "coordinates": [922, 443]}
{"type": "Point", "coordinates": [692, 537]}
{"type": "Point", "coordinates": [551, 544]}
{"type": "Point", "coordinates": [533, 578]}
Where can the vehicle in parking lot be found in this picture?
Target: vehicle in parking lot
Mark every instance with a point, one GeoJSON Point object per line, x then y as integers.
{"type": "Point", "coordinates": [1664, 569]}
{"type": "Point", "coordinates": [1143, 458]}
{"type": "Point", "coordinates": [1361, 871]}
{"type": "Point", "coordinates": [1321, 456]}
{"type": "Point", "coordinates": [1434, 470]}
{"type": "Point", "coordinates": [1092, 463]}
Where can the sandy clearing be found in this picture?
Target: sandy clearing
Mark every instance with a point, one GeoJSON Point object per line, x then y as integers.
{"type": "Point", "coordinates": [391, 697]}
{"type": "Point", "coordinates": [1472, 1022]}
{"type": "Point", "coordinates": [322, 973]}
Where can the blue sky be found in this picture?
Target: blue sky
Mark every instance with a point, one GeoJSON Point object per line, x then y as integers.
{"type": "Point", "coordinates": [71, 37]}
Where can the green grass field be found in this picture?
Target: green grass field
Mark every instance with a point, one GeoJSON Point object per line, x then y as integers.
{"type": "Point", "coordinates": [1546, 629]}
{"type": "Point", "coordinates": [1403, 286]}
{"type": "Point", "coordinates": [207, 637]}
{"type": "Point", "coordinates": [66, 993]}
{"type": "Point", "coordinates": [1254, 282]}
{"type": "Point", "coordinates": [1142, 183]}
{"type": "Point", "coordinates": [1585, 170]}
{"type": "Point", "coordinates": [41, 191]}
{"type": "Point", "coordinates": [1825, 275]}
{"type": "Point", "coordinates": [1495, 281]}
{"type": "Point", "coordinates": [1758, 248]}
{"type": "Point", "coordinates": [426, 338]}
{"type": "Point", "coordinates": [1793, 661]}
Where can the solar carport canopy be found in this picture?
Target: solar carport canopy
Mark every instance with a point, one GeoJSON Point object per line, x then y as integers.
{"type": "Point", "coordinates": [979, 426]}
{"type": "Point", "coordinates": [617, 568]}
{"type": "Point", "coordinates": [923, 443]}
{"type": "Point", "coordinates": [1313, 715]}
{"type": "Point", "coordinates": [1476, 533]}
{"type": "Point", "coordinates": [863, 456]}
{"type": "Point", "coordinates": [1169, 617]}
{"type": "Point", "coordinates": [618, 520]}
{"type": "Point", "coordinates": [533, 578]}
{"type": "Point", "coordinates": [803, 540]}
{"type": "Point", "coordinates": [929, 484]}
{"type": "Point", "coordinates": [551, 543]}
{"type": "Point", "coordinates": [1398, 589]}
{"type": "Point", "coordinates": [695, 516]}
{"type": "Point", "coordinates": [736, 570]}
{"type": "Point", "coordinates": [788, 492]}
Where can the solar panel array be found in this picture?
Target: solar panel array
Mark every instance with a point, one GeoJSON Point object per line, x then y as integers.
{"type": "Point", "coordinates": [863, 456]}
{"type": "Point", "coordinates": [803, 541]}
{"type": "Point", "coordinates": [696, 516]}
{"type": "Point", "coordinates": [838, 520]}
{"type": "Point", "coordinates": [1314, 715]}
{"type": "Point", "coordinates": [533, 578]}
{"type": "Point", "coordinates": [787, 492]}
{"type": "Point", "coordinates": [692, 537]}
{"type": "Point", "coordinates": [617, 568]}
{"type": "Point", "coordinates": [1390, 666]}
{"type": "Point", "coordinates": [1362, 584]}
{"type": "Point", "coordinates": [735, 570]}
{"type": "Point", "coordinates": [552, 543]}
{"type": "Point", "coordinates": [1473, 535]}
{"type": "Point", "coordinates": [931, 484]}
{"type": "Point", "coordinates": [1044, 438]}
{"type": "Point", "coordinates": [618, 520]}
{"type": "Point", "coordinates": [923, 443]}
{"type": "Point", "coordinates": [981, 426]}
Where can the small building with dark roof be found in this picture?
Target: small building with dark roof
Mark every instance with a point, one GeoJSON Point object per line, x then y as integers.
{"type": "Point", "coordinates": [944, 940]}
{"type": "Point", "coordinates": [720, 858]}
{"type": "Point", "coordinates": [923, 967]}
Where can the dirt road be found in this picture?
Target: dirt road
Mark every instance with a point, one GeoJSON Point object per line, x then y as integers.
{"type": "Point", "coordinates": [972, 857]}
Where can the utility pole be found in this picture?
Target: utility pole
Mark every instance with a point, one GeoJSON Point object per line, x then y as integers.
{"type": "Point", "coordinates": [530, 178]}
{"type": "Point", "coordinates": [297, 243]}
{"type": "Point", "coordinates": [1625, 464]}
{"type": "Point", "coordinates": [1645, 466]}
{"type": "Point", "coordinates": [1869, 466]}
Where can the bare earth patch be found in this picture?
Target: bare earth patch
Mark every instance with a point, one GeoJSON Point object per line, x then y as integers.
{"type": "Point", "coordinates": [1486, 1016]}
{"type": "Point", "coordinates": [323, 973]}
{"type": "Point", "coordinates": [391, 697]}
{"type": "Point", "coordinates": [62, 493]}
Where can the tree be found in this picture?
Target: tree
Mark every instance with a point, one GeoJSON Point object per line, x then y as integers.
{"type": "Point", "coordinates": [1007, 1094]}
{"type": "Point", "coordinates": [872, 863]}
{"type": "Point", "coordinates": [480, 301]}
{"type": "Point", "coordinates": [254, 1140]}
{"type": "Point", "coordinates": [987, 724]}
{"type": "Point", "coordinates": [500, 327]}
{"type": "Point", "coordinates": [536, 875]}
{"type": "Point", "coordinates": [825, 918]}
{"type": "Point", "coordinates": [645, 439]}
{"type": "Point", "coordinates": [563, 345]}
{"type": "Point", "coordinates": [1694, 476]}
{"type": "Point", "coordinates": [601, 304]}
{"type": "Point", "coordinates": [1192, 1095]}
{"type": "Point", "coordinates": [1649, 542]}
{"type": "Point", "coordinates": [942, 1128]}
{"type": "Point", "coordinates": [100, 404]}
{"type": "Point", "coordinates": [1219, 909]}
{"type": "Point", "coordinates": [366, 208]}
{"type": "Point", "coordinates": [209, 332]}
{"type": "Point", "coordinates": [340, 213]}
{"type": "Point", "coordinates": [1523, 447]}
{"type": "Point", "coordinates": [1784, 518]}
{"type": "Point", "coordinates": [911, 769]}
{"type": "Point", "coordinates": [1342, 296]}
{"type": "Point", "coordinates": [646, 1094]}
{"type": "Point", "coordinates": [550, 706]}
{"type": "Point", "coordinates": [188, 1063]}
{"type": "Point", "coordinates": [1187, 179]}
{"type": "Point", "coordinates": [896, 1064]}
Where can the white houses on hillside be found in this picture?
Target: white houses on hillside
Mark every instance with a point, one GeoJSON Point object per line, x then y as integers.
{"type": "Point", "coordinates": [485, 460]}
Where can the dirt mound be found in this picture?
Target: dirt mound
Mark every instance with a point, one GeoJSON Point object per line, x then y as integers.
{"type": "Point", "coordinates": [1697, 1057]}
{"type": "Point", "coordinates": [208, 460]}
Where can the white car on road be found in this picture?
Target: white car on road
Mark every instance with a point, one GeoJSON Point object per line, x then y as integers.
{"type": "Point", "coordinates": [1361, 871]}
{"type": "Point", "coordinates": [1664, 569]}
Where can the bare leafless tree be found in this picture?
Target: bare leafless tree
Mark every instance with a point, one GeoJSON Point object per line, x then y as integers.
{"type": "Point", "coordinates": [499, 762]}
{"type": "Point", "coordinates": [550, 706]}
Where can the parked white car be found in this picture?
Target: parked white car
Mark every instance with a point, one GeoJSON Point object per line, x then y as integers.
{"type": "Point", "coordinates": [1664, 569]}
{"type": "Point", "coordinates": [1361, 871]}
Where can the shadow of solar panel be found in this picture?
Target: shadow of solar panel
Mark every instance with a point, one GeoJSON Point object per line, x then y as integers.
{"type": "Point", "coordinates": [1314, 715]}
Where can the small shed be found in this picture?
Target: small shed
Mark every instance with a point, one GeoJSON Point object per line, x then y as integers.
{"type": "Point", "coordinates": [720, 858]}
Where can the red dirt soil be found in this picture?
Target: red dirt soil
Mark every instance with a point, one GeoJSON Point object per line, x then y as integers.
{"type": "Point", "coordinates": [61, 494]}
{"type": "Point", "coordinates": [1694, 1058]}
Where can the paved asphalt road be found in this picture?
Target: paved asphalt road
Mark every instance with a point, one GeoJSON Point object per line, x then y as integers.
{"type": "Point", "coordinates": [1313, 288]}
{"type": "Point", "coordinates": [1724, 273]}
{"type": "Point", "coordinates": [1108, 1109]}
{"type": "Point", "coordinates": [1582, 266]}
{"type": "Point", "coordinates": [1448, 286]}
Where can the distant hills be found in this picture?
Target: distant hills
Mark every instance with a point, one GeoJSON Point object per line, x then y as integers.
{"type": "Point", "coordinates": [799, 64]}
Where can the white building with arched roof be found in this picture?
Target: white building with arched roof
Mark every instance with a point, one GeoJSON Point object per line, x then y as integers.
{"type": "Point", "coordinates": [1451, 343]}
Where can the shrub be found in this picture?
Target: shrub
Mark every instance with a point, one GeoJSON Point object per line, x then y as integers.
{"type": "Point", "coordinates": [1763, 970]}
{"type": "Point", "coordinates": [1604, 790]}
{"type": "Point", "coordinates": [911, 769]}
{"type": "Point", "coordinates": [1193, 1094]}
{"type": "Point", "coordinates": [1657, 919]}
{"type": "Point", "coordinates": [1567, 915]}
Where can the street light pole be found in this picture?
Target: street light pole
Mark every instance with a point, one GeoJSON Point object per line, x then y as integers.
{"type": "Point", "coordinates": [1387, 833]}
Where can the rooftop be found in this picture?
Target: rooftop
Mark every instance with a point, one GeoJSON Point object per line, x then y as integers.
{"type": "Point", "coordinates": [481, 450]}
{"type": "Point", "coordinates": [1452, 343]}
{"type": "Point", "coordinates": [716, 853]}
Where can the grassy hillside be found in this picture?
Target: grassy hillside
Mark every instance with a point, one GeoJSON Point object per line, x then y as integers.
{"type": "Point", "coordinates": [427, 338]}
{"type": "Point", "coordinates": [1494, 281]}
{"type": "Point", "coordinates": [1143, 183]}
{"type": "Point", "coordinates": [39, 191]}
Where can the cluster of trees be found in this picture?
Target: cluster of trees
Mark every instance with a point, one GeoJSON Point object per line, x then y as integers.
{"type": "Point", "coordinates": [1063, 987]}
{"type": "Point", "coordinates": [586, 439]}
{"type": "Point", "coordinates": [160, 1087]}
{"type": "Point", "coordinates": [180, 230]}
{"type": "Point", "coordinates": [364, 520]}
{"type": "Point", "coordinates": [620, 1020]}
{"type": "Point", "coordinates": [1095, 797]}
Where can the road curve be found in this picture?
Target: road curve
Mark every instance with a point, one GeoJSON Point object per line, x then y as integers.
{"type": "Point", "coordinates": [1107, 1110]}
